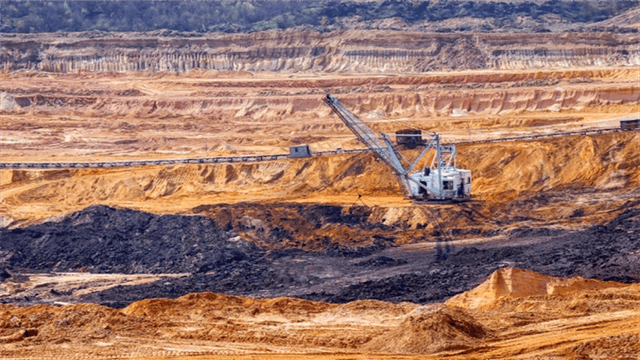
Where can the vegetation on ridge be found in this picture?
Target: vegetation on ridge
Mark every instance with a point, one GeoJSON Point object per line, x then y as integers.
{"type": "Point", "coordinates": [254, 15]}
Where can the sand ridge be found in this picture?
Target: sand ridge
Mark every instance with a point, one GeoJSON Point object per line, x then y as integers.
{"type": "Point", "coordinates": [216, 324]}
{"type": "Point", "coordinates": [517, 283]}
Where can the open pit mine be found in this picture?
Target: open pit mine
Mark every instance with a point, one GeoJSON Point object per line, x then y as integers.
{"type": "Point", "coordinates": [151, 207]}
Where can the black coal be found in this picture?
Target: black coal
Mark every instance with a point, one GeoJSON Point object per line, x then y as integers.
{"type": "Point", "coordinates": [102, 239]}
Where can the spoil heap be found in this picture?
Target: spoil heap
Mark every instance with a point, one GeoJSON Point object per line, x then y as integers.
{"type": "Point", "coordinates": [435, 331]}
{"type": "Point", "coordinates": [571, 323]}
{"type": "Point", "coordinates": [369, 266]}
{"type": "Point", "coordinates": [108, 240]}
{"type": "Point", "coordinates": [518, 283]}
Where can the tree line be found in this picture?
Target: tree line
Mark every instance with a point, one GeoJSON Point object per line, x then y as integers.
{"type": "Point", "coordinates": [256, 15]}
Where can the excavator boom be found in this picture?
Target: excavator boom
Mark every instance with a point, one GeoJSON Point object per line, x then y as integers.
{"type": "Point", "coordinates": [436, 182]}
{"type": "Point", "coordinates": [365, 134]}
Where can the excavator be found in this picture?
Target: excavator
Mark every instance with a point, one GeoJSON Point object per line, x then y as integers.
{"type": "Point", "coordinates": [440, 181]}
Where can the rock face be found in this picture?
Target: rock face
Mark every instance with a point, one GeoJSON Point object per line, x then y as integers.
{"type": "Point", "coordinates": [7, 102]}
{"type": "Point", "coordinates": [353, 51]}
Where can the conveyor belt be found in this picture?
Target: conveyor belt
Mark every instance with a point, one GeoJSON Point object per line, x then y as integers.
{"type": "Point", "coordinates": [246, 159]}
{"type": "Point", "coordinates": [133, 163]}
{"type": "Point", "coordinates": [546, 136]}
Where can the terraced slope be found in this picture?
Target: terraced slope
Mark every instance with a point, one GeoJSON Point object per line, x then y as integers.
{"type": "Point", "coordinates": [352, 51]}
{"type": "Point", "coordinates": [212, 260]}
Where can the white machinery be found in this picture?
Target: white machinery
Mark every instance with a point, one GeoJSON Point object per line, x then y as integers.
{"type": "Point", "coordinates": [440, 180]}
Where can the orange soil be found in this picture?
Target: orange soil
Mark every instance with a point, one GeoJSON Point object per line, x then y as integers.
{"type": "Point", "coordinates": [519, 323]}
{"type": "Point", "coordinates": [198, 114]}
{"type": "Point", "coordinates": [546, 183]}
{"type": "Point", "coordinates": [80, 117]}
{"type": "Point", "coordinates": [597, 175]}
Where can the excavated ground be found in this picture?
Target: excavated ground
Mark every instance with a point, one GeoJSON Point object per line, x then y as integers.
{"type": "Point", "coordinates": [513, 314]}
{"type": "Point", "coordinates": [216, 259]}
{"type": "Point", "coordinates": [61, 117]}
{"type": "Point", "coordinates": [331, 229]}
{"type": "Point", "coordinates": [572, 181]}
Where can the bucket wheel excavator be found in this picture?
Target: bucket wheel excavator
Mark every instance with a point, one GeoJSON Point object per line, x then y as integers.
{"type": "Point", "coordinates": [441, 180]}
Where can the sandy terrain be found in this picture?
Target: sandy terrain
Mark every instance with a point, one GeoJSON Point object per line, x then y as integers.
{"type": "Point", "coordinates": [199, 114]}
{"type": "Point", "coordinates": [515, 313]}
{"type": "Point", "coordinates": [331, 228]}
{"type": "Point", "coordinates": [92, 117]}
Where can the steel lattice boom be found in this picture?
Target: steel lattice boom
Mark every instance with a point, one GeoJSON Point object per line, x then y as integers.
{"type": "Point", "coordinates": [440, 181]}
{"type": "Point", "coordinates": [365, 134]}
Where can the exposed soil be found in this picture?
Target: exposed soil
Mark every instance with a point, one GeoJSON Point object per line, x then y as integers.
{"type": "Point", "coordinates": [288, 259]}
{"type": "Point", "coordinates": [400, 50]}
{"type": "Point", "coordinates": [199, 115]}
{"type": "Point", "coordinates": [219, 261]}
{"type": "Point", "coordinates": [105, 240]}
{"type": "Point", "coordinates": [574, 181]}
{"type": "Point", "coordinates": [550, 323]}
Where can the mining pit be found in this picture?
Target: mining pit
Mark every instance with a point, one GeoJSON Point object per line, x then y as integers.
{"type": "Point", "coordinates": [318, 257]}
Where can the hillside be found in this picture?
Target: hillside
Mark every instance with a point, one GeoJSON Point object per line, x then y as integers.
{"type": "Point", "coordinates": [248, 16]}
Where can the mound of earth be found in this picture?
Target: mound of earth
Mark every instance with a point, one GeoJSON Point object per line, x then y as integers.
{"type": "Point", "coordinates": [514, 282]}
{"type": "Point", "coordinates": [205, 318]}
{"type": "Point", "coordinates": [444, 329]}
{"type": "Point", "coordinates": [221, 304]}
{"type": "Point", "coordinates": [104, 239]}
{"type": "Point", "coordinates": [575, 180]}
{"type": "Point", "coordinates": [218, 325]}
{"type": "Point", "coordinates": [47, 324]}
{"type": "Point", "coordinates": [608, 347]}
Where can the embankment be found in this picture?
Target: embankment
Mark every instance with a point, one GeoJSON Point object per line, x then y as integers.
{"type": "Point", "coordinates": [351, 51]}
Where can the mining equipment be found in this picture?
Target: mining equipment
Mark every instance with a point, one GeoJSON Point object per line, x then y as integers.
{"type": "Point", "coordinates": [630, 124]}
{"type": "Point", "coordinates": [409, 138]}
{"type": "Point", "coordinates": [299, 151]}
{"type": "Point", "coordinates": [441, 180]}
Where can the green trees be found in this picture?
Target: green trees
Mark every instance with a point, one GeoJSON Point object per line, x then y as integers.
{"type": "Point", "coordinates": [254, 15]}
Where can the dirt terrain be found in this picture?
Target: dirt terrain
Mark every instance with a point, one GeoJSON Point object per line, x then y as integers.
{"type": "Point", "coordinates": [515, 313]}
{"type": "Point", "coordinates": [49, 117]}
{"type": "Point", "coordinates": [246, 120]}
{"type": "Point", "coordinates": [320, 257]}
{"type": "Point", "coordinates": [219, 260]}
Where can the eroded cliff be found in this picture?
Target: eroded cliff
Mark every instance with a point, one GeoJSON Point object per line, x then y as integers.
{"type": "Point", "coordinates": [294, 51]}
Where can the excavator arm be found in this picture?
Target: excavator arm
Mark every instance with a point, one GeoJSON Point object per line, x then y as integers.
{"type": "Point", "coordinates": [433, 182]}
{"type": "Point", "coordinates": [384, 149]}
